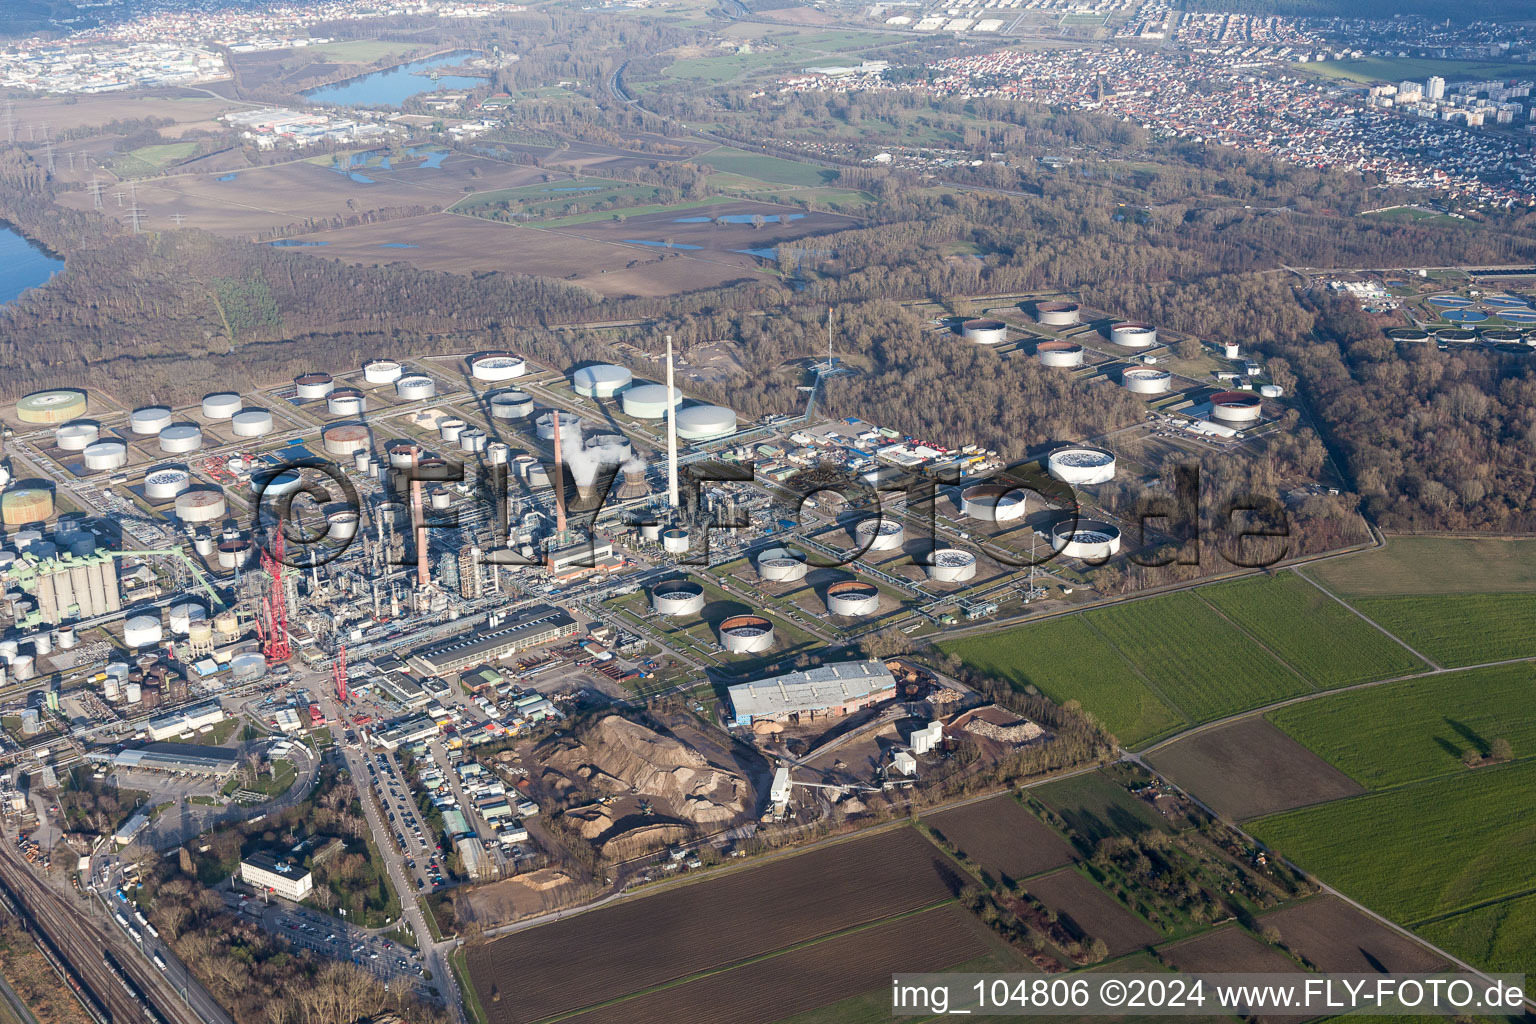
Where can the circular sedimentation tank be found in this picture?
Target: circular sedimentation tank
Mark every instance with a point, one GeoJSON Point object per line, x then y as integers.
{"type": "Point", "coordinates": [51, 407]}
{"type": "Point", "coordinates": [1059, 353]}
{"type": "Point", "coordinates": [1456, 336]}
{"type": "Point", "coordinates": [746, 634]}
{"type": "Point", "coordinates": [490, 367]}
{"type": "Point", "coordinates": [951, 565]}
{"type": "Point", "coordinates": [601, 381]}
{"type": "Point", "coordinates": [853, 598]}
{"type": "Point", "coordinates": [648, 401]}
{"type": "Point", "coordinates": [1133, 334]}
{"type": "Point", "coordinates": [1058, 314]}
{"type": "Point", "coordinates": [1088, 539]}
{"type": "Point", "coordinates": [984, 331]}
{"type": "Point", "coordinates": [1502, 336]}
{"type": "Point", "coordinates": [1236, 407]}
{"type": "Point", "coordinates": [677, 597]}
{"type": "Point", "coordinates": [1412, 334]}
{"type": "Point", "coordinates": [1082, 465]}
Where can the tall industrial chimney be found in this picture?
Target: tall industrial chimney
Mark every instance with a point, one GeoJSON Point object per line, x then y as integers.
{"type": "Point", "coordinates": [559, 480]}
{"type": "Point", "coordinates": [420, 520]}
{"type": "Point", "coordinates": [671, 431]}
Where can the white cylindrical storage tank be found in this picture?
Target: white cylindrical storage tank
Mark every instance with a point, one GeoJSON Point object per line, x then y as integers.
{"type": "Point", "coordinates": [22, 667]}
{"type": "Point", "coordinates": [648, 401]}
{"type": "Point", "coordinates": [951, 565]}
{"type": "Point", "coordinates": [248, 666]}
{"type": "Point", "coordinates": [275, 483]}
{"type": "Point", "coordinates": [313, 385]}
{"type": "Point", "coordinates": [993, 503]}
{"type": "Point", "coordinates": [498, 452]}
{"type": "Point", "coordinates": [415, 387]}
{"type": "Point", "coordinates": [1231, 349]}
{"type": "Point", "coordinates": [403, 454]}
{"type": "Point", "coordinates": [983, 331]}
{"type": "Point", "coordinates": [180, 438]}
{"type": "Point", "coordinates": [570, 426]}
{"type": "Point", "coordinates": [601, 381]}
{"type": "Point", "coordinates": [1133, 334]}
{"type": "Point", "coordinates": [705, 422]}
{"type": "Point", "coordinates": [1060, 353]}
{"type": "Point", "coordinates": [511, 405]}
{"type": "Point", "coordinates": [221, 405]}
{"type": "Point", "coordinates": [746, 634]}
{"type": "Point", "coordinates": [1081, 465]}
{"type": "Point", "coordinates": [439, 499]}
{"type": "Point", "coordinates": [1143, 380]}
{"type": "Point", "coordinates": [674, 540]}
{"type": "Point", "coordinates": [651, 532]}
{"type": "Point", "coordinates": [76, 435]}
{"type": "Point", "coordinates": [200, 632]}
{"type": "Point", "coordinates": [853, 597]}
{"type": "Point", "coordinates": [1271, 390]}
{"type": "Point", "coordinates": [491, 367]}
{"type": "Point", "coordinates": [149, 420]}
{"type": "Point", "coordinates": [104, 455]}
{"type": "Point", "coordinates": [346, 439]}
{"type": "Point", "coordinates": [449, 430]}
{"type": "Point", "coordinates": [341, 525]}
{"type": "Point", "coordinates": [381, 371]}
{"type": "Point", "coordinates": [535, 475]}
{"type": "Point", "coordinates": [879, 535]}
{"type": "Point", "coordinates": [360, 461]}
{"type": "Point", "coordinates": [165, 482]}
{"type": "Point", "coordinates": [142, 630]}
{"type": "Point", "coordinates": [181, 615]}
{"type": "Point", "coordinates": [1236, 407]}
{"type": "Point", "coordinates": [111, 689]}
{"type": "Point", "coordinates": [346, 402]}
{"type": "Point", "coordinates": [235, 552]}
{"type": "Point", "coordinates": [779, 565]}
{"type": "Point", "coordinates": [251, 423]}
{"type": "Point", "coordinates": [1089, 539]}
{"type": "Point", "coordinates": [200, 505]}
{"type": "Point", "coordinates": [677, 597]}
{"type": "Point", "coordinates": [68, 638]}
{"type": "Point", "coordinates": [133, 693]}
{"type": "Point", "coordinates": [42, 645]}
{"type": "Point", "coordinates": [473, 440]}
{"type": "Point", "coordinates": [1058, 314]}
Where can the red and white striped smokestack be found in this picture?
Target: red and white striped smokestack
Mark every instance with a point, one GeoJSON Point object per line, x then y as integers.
{"type": "Point", "coordinates": [420, 520]}
{"type": "Point", "coordinates": [559, 479]}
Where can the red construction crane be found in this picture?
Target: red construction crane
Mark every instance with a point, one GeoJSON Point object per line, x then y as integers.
{"type": "Point", "coordinates": [272, 624]}
{"type": "Point", "coordinates": [341, 674]}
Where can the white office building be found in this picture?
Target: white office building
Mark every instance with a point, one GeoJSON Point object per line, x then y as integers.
{"type": "Point", "coordinates": [279, 877]}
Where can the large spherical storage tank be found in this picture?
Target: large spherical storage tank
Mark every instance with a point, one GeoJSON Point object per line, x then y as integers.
{"type": "Point", "coordinates": [22, 505]}
{"type": "Point", "coordinates": [779, 565]}
{"type": "Point", "coordinates": [1133, 334]}
{"type": "Point", "coordinates": [76, 435]}
{"type": "Point", "coordinates": [1081, 465]}
{"type": "Point", "coordinates": [984, 332]}
{"type": "Point", "coordinates": [381, 371]}
{"type": "Point", "coordinates": [313, 385]}
{"type": "Point", "coordinates": [648, 401]}
{"type": "Point", "coordinates": [346, 402]}
{"type": "Point", "coordinates": [602, 381]}
{"type": "Point", "coordinates": [1236, 406]}
{"type": "Point", "coordinates": [1058, 314]}
{"type": "Point", "coordinates": [570, 426]}
{"type": "Point", "coordinates": [1060, 353]}
{"type": "Point", "coordinates": [993, 503]}
{"type": "Point", "coordinates": [149, 420]}
{"type": "Point", "coordinates": [221, 405]}
{"type": "Point", "coordinates": [746, 634]}
{"type": "Point", "coordinates": [495, 366]}
{"type": "Point", "coordinates": [1145, 381]}
{"type": "Point", "coordinates": [674, 540]}
{"type": "Point", "coordinates": [511, 405]}
{"type": "Point", "coordinates": [705, 422]}
{"type": "Point", "coordinates": [251, 423]}
{"type": "Point", "coordinates": [415, 387]}
{"type": "Point", "coordinates": [879, 535]}
{"type": "Point", "coordinates": [165, 482]}
{"type": "Point", "coordinates": [105, 455]}
{"type": "Point", "coordinates": [1088, 539]}
{"type": "Point", "coordinates": [677, 597]}
{"type": "Point", "coordinates": [345, 439]}
{"type": "Point", "coordinates": [853, 597]}
{"type": "Point", "coordinates": [51, 407]}
{"type": "Point", "coordinates": [179, 438]}
{"type": "Point", "coordinates": [200, 505]}
{"type": "Point", "coordinates": [142, 630]}
{"type": "Point", "coordinates": [951, 565]}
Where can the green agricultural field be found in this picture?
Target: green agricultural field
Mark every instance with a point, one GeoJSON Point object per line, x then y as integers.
{"type": "Point", "coordinates": [1066, 660]}
{"type": "Point", "coordinates": [1196, 659]}
{"type": "Point", "coordinates": [153, 159]}
{"type": "Point", "coordinates": [1419, 850]}
{"type": "Point", "coordinates": [1460, 629]}
{"type": "Point", "coordinates": [1097, 806]}
{"type": "Point", "coordinates": [1310, 631]}
{"type": "Point", "coordinates": [553, 198]}
{"type": "Point", "coordinates": [766, 168]}
{"type": "Point", "coordinates": [1369, 70]}
{"type": "Point", "coordinates": [1500, 937]}
{"type": "Point", "coordinates": [354, 51]}
{"type": "Point", "coordinates": [1432, 565]}
{"type": "Point", "coordinates": [1418, 728]}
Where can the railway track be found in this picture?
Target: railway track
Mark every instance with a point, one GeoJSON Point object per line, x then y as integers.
{"type": "Point", "coordinates": [116, 985]}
